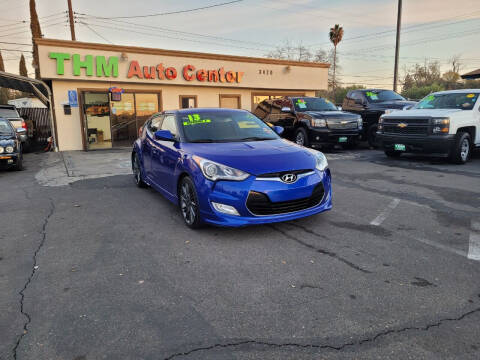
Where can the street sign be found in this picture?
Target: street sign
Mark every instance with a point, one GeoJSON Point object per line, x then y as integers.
{"type": "Point", "coordinates": [72, 98]}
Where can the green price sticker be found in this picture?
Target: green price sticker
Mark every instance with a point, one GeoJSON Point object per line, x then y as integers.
{"type": "Point", "coordinates": [194, 119]}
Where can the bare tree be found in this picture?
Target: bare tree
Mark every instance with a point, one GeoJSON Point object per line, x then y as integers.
{"type": "Point", "coordinates": [456, 63]}
{"type": "Point", "coordinates": [23, 67]}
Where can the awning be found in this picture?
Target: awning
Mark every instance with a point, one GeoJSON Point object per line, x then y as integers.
{"type": "Point", "coordinates": [475, 74]}
{"type": "Point", "coordinates": [32, 86]}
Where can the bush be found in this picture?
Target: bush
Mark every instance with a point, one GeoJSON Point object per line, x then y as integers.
{"type": "Point", "coordinates": [419, 92]}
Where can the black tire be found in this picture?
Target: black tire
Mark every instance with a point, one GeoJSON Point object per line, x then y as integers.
{"type": "Point", "coordinates": [188, 202]}
{"type": "Point", "coordinates": [137, 172]}
{"type": "Point", "coordinates": [19, 165]}
{"type": "Point", "coordinates": [392, 153]}
{"type": "Point", "coordinates": [301, 137]}
{"type": "Point", "coordinates": [462, 149]}
{"type": "Point", "coordinates": [372, 136]}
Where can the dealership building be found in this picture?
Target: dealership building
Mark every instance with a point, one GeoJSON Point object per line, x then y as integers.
{"type": "Point", "coordinates": [102, 94]}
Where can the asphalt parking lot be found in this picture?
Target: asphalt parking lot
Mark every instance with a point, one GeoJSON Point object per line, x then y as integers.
{"type": "Point", "coordinates": [92, 267]}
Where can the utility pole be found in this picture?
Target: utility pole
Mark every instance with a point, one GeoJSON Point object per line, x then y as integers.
{"type": "Point", "coordinates": [70, 16]}
{"type": "Point", "coordinates": [397, 45]}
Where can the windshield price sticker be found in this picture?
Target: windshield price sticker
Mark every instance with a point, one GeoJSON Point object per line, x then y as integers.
{"type": "Point", "coordinates": [301, 104]}
{"type": "Point", "coordinates": [194, 119]}
{"type": "Point", "coordinates": [470, 96]}
{"type": "Point", "coordinates": [372, 95]}
{"type": "Point", "coordinates": [430, 98]}
{"type": "Point", "coordinates": [248, 124]}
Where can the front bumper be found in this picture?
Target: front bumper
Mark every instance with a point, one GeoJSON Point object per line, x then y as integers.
{"type": "Point", "coordinates": [439, 145]}
{"type": "Point", "coordinates": [235, 193]}
{"type": "Point", "coordinates": [7, 160]}
{"type": "Point", "coordinates": [318, 136]}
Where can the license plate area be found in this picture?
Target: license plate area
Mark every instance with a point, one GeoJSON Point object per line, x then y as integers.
{"type": "Point", "coordinates": [399, 147]}
{"type": "Point", "coordinates": [342, 139]}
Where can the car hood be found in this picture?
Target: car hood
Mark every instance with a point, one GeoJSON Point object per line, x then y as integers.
{"type": "Point", "coordinates": [255, 157]}
{"type": "Point", "coordinates": [6, 140]}
{"type": "Point", "coordinates": [391, 104]}
{"type": "Point", "coordinates": [424, 113]}
{"type": "Point", "coordinates": [331, 115]}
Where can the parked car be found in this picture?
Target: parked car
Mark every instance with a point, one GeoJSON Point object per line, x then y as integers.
{"type": "Point", "coordinates": [370, 104]}
{"type": "Point", "coordinates": [445, 123]}
{"type": "Point", "coordinates": [10, 113]}
{"type": "Point", "coordinates": [11, 155]}
{"type": "Point", "coordinates": [228, 168]}
{"type": "Point", "coordinates": [311, 121]}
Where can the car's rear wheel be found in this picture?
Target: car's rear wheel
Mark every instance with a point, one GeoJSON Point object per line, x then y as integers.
{"type": "Point", "coordinates": [137, 172]}
{"type": "Point", "coordinates": [461, 151]}
{"type": "Point", "coordinates": [301, 137]}
{"type": "Point", "coordinates": [189, 206]}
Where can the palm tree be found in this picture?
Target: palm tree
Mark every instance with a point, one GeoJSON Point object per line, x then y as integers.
{"type": "Point", "coordinates": [336, 35]}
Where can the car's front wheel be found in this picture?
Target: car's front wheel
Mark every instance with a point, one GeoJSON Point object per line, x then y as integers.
{"type": "Point", "coordinates": [301, 137]}
{"type": "Point", "coordinates": [461, 151]}
{"type": "Point", "coordinates": [189, 206]}
{"type": "Point", "coordinates": [137, 172]}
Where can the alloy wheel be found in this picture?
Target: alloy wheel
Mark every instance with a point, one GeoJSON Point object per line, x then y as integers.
{"type": "Point", "coordinates": [465, 149]}
{"type": "Point", "coordinates": [187, 203]}
{"type": "Point", "coordinates": [300, 139]}
{"type": "Point", "coordinates": [136, 170]}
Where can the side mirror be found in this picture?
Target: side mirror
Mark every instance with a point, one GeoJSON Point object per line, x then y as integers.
{"type": "Point", "coordinates": [21, 131]}
{"type": "Point", "coordinates": [339, 108]}
{"type": "Point", "coordinates": [278, 129]}
{"type": "Point", "coordinates": [165, 135]}
{"type": "Point", "coordinates": [286, 109]}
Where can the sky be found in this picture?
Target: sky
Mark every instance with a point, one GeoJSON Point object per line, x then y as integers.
{"type": "Point", "coordinates": [431, 30]}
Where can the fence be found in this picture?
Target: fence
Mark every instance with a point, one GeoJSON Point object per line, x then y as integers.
{"type": "Point", "coordinates": [41, 119]}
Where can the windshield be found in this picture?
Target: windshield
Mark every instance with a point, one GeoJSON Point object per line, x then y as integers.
{"type": "Point", "coordinates": [8, 113]}
{"type": "Point", "coordinates": [224, 126]}
{"type": "Point", "coordinates": [376, 96]}
{"type": "Point", "coordinates": [5, 127]}
{"type": "Point", "coordinates": [313, 104]}
{"type": "Point", "coordinates": [464, 101]}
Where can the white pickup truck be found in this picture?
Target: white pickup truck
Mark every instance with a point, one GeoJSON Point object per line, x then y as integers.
{"type": "Point", "coordinates": [445, 123]}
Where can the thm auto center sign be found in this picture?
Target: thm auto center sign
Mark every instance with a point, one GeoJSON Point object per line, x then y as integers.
{"type": "Point", "coordinates": [100, 66]}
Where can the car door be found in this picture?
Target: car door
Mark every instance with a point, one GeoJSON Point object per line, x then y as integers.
{"type": "Point", "coordinates": [148, 143]}
{"type": "Point", "coordinates": [280, 118]}
{"type": "Point", "coordinates": [357, 104]}
{"type": "Point", "coordinates": [165, 156]}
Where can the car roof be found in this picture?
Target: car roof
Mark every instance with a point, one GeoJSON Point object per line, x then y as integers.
{"type": "Point", "coordinates": [200, 110]}
{"type": "Point", "coordinates": [7, 106]}
{"type": "Point", "coordinates": [459, 91]}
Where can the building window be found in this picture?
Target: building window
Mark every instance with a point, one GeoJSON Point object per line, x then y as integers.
{"type": "Point", "coordinates": [188, 101]}
{"type": "Point", "coordinates": [230, 101]}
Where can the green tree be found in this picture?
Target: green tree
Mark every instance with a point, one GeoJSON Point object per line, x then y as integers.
{"type": "Point", "coordinates": [335, 35]}
{"type": "Point", "coordinates": [23, 67]}
{"type": "Point", "coordinates": [419, 92]}
{"type": "Point", "coordinates": [36, 33]}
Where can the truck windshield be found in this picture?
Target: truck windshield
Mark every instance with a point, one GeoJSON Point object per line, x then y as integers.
{"type": "Point", "coordinates": [8, 113]}
{"type": "Point", "coordinates": [313, 104]}
{"type": "Point", "coordinates": [463, 101]}
{"type": "Point", "coordinates": [377, 96]}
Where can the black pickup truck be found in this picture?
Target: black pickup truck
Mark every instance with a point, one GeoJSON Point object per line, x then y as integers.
{"type": "Point", "coordinates": [371, 104]}
{"type": "Point", "coordinates": [311, 121]}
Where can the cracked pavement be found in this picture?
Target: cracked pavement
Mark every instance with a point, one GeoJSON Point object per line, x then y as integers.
{"type": "Point", "coordinates": [94, 268]}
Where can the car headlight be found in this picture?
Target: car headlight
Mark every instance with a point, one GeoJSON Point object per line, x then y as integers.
{"type": "Point", "coordinates": [215, 171]}
{"type": "Point", "coordinates": [319, 123]}
{"type": "Point", "coordinates": [1, 149]}
{"type": "Point", "coordinates": [388, 111]}
{"type": "Point", "coordinates": [321, 160]}
{"type": "Point", "coordinates": [441, 125]}
{"type": "Point", "coordinates": [360, 122]}
{"type": "Point", "coordinates": [9, 149]}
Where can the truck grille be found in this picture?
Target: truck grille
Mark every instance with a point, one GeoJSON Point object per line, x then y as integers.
{"type": "Point", "coordinates": [408, 126]}
{"type": "Point", "coordinates": [259, 204]}
{"type": "Point", "coordinates": [342, 124]}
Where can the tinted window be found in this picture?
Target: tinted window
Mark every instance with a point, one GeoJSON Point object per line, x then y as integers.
{"type": "Point", "coordinates": [375, 96]}
{"type": "Point", "coordinates": [5, 127]}
{"type": "Point", "coordinates": [224, 126]}
{"type": "Point", "coordinates": [262, 110]}
{"type": "Point", "coordinates": [170, 124]}
{"type": "Point", "coordinates": [357, 96]}
{"type": "Point", "coordinates": [8, 113]}
{"type": "Point", "coordinates": [464, 101]}
{"type": "Point", "coordinates": [155, 123]}
{"type": "Point", "coordinates": [313, 104]}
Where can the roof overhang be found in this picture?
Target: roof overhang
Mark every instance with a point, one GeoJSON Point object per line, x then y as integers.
{"type": "Point", "coordinates": [472, 75]}
{"type": "Point", "coordinates": [26, 84]}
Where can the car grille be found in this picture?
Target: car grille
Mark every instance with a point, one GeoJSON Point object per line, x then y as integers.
{"type": "Point", "coordinates": [279, 174]}
{"type": "Point", "coordinates": [342, 124]}
{"type": "Point", "coordinates": [412, 126]}
{"type": "Point", "coordinates": [259, 203]}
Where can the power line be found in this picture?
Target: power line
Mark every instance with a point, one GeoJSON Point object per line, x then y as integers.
{"type": "Point", "coordinates": [169, 13]}
{"type": "Point", "coordinates": [95, 32]}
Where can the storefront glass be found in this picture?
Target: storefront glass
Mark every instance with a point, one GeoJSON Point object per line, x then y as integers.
{"type": "Point", "coordinates": [124, 123]}
{"type": "Point", "coordinates": [145, 106]}
{"type": "Point", "coordinates": [97, 114]}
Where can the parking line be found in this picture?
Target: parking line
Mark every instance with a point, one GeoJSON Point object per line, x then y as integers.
{"type": "Point", "coordinates": [474, 242]}
{"type": "Point", "coordinates": [384, 214]}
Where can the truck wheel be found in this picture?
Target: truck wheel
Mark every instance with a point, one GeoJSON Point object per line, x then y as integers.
{"type": "Point", "coordinates": [460, 153]}
{"type": "Point", "coordinates": [372, 136]}
{"type": "Point", "coordinates": [301, 137]}
{"type": "Point", "coordinates": [393, 154]}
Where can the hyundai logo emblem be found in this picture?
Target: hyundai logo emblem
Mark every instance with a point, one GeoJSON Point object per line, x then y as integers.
{"type": "Point", "coordinates": [289, 178]}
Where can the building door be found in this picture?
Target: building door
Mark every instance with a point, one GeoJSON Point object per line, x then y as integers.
{"type": "Point", "coordinates": [97, 116]}
{"type": "Point", "coordinates": [230, 101]}
{"type": "Point", "coordinates": [124, 122]}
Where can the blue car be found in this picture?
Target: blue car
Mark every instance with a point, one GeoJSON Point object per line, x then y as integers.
{"type": "Point", "coordinates": [228, 168]}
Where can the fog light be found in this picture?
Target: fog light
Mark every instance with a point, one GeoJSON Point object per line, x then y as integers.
{"type": "Point", "coordinates": [226, 209]}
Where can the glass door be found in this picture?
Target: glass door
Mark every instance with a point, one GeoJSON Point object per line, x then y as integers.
{"type": "Point", "coordinates": [124, 122]}
{"type": "Point", "coordinates": [97, 115]}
